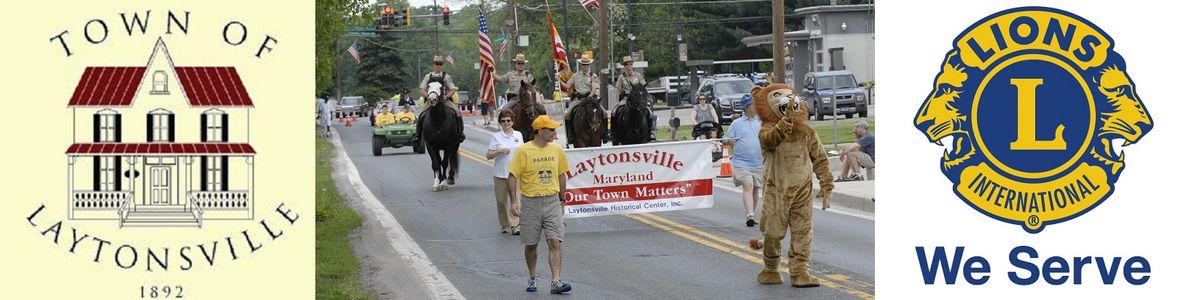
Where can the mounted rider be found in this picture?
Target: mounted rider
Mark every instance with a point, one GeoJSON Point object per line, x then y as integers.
{"type": "Point", "coordinates": [513, 79]}
{"type": "Point", "coordinates": [447, 88]}
{"type": "Point", "coordinates": [583, 84]}
{"type": "Point", "coordinates": [625, 83]}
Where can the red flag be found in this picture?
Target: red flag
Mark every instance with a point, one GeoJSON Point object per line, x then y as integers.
{"type": "Point", "coordinates": [560, 55]}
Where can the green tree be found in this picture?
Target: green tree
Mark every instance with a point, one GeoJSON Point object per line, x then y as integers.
{"type": "Point", "coordinates": [331, 19]}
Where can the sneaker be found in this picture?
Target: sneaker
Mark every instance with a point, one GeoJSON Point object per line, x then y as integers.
{"type": "Point", "coordinates": [532, 285]}
{"type": "Point", "coordinates": [560, 287]}
{"type": "Point", "coordinates": [516, 230]}
{"type": "Point", "coordinates": [750, 221]}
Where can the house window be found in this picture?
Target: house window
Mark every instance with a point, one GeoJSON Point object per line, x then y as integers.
{"type": "Point", "coordinates": [214, 126]}
{"type": "Point", "coordinates": [215, 175]}
{"type": "Point", "coordinates": [108, 173]}
{"type": "Point", "coordinates": [107, 126]}
{"type": "Point", "coordinates": [160, 126]}
{"type": "Point", "coordinates": [160, 83]}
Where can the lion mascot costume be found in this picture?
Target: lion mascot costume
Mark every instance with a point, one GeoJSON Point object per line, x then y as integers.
{"type": "Point", "coordinates": [792, 153]}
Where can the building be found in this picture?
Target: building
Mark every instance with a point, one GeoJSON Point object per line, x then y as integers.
{"type": "Point", "coordinates": [160, 145]}
{"type": "Point", "coordinates": [835, 37]}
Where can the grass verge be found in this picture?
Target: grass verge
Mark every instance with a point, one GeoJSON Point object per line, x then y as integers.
{"type": "Point", "coordinates": [337, 266]}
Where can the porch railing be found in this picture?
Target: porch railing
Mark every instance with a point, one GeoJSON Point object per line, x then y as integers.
{"type": "Point", "coordinates": [221, 200]}
{"type": "Point", "coordinates": [122, 212]}
{"type": "Point", "coordinates": [100, 199]}
{"type": "Point", "coordinates": [197, 212]}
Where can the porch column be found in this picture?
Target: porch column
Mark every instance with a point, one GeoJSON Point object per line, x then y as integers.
{"type": "Point", "coordinates": [250, 190]}
{"type": "Point", "coordinates": [132, 160]}
{"type": "Point", "coordinates": [71, 187]}
{"type": "Point", "coordinates": [187, 186]}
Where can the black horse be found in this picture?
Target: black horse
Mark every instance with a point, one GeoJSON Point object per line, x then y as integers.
{"type": "Point", "coordinates": [440, 128]}
{"type": "Point", "coordinates": [588, 123]}
{"type": "Point", "coordinates": [631, 121]}
{"type": "Point", "coordinates": [525, 108]}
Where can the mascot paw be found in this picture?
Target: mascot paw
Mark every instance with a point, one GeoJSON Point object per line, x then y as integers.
{"type": "Point", "coordinates": [769, 276]}
{"type": "Point", "coordinates": [756, 243]}
{"type": "Point", "coordinates": [803, 280]}
{"type": "Point", "coordinates": [824, 203]}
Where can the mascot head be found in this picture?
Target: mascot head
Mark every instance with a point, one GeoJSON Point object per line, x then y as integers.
{"type": "Point", "coordinates": [777, 101]}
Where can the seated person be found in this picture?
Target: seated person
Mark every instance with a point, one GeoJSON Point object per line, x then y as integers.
{"type": "Point", "coordinates": [405, 115]}
{"type": "Point", "coordinates": [716, 148]}
{"type": "Point", "coordinates": [384, 117]}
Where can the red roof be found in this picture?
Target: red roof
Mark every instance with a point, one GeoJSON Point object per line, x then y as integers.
{"type": "Point", "coordinates": [159, 148]}
{"type": "Point", "coordinates": [213, 86]}
{"type": "Point", "coordinates": [203, 86]}
{"type": "Point", "coordinates": [107, 86]}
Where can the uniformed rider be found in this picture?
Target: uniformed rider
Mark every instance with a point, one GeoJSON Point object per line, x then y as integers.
{"type": "Point", "coordinates": [625, 83]}
{"type": "Point", "coordinates": [582, 85]}
{"type": "Point", "coordinates": [514, 78]}
{"type": "Point", "coordinates": [448, 88]}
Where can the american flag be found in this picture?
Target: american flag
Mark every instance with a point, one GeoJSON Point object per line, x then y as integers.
{"type": "Point", "coordinates": [592, 3]}
{"type": "Point", "coordinates": [354, 52]}
{"type": "Point", "coordinates": [486, 62]}
{"type": "Point", "coordinates": [450, 58]}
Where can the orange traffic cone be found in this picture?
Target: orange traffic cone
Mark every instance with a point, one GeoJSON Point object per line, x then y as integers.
{"type": "Point", "coordinates": [341, 118]}
{"type": "Point", "coordinates": [347, 122]}
{"type": "Point", "coordinates": [354, 117]}
{"type": "Point", "coordinates": [726, 168]}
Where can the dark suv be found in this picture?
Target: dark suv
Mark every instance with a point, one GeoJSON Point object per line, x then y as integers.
{"type": "Point", "coordinates": [833, 93]}
{"type": "Point", "coordinates": [725, 92]}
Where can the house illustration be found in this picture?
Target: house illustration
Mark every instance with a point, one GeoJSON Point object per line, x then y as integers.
{"type": "Point", "coordinates": [160, 145]}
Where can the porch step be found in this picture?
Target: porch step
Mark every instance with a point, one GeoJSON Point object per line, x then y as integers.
{"type": "Point", "coordinates": [160, 208]}
{"type": "Point", "coordinates": [161, 218]}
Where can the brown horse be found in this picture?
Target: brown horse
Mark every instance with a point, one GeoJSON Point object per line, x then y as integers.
{"type": "Point", "coordinates": [588, 123]}
{"type": "Point", "coordinates": [525, 108]}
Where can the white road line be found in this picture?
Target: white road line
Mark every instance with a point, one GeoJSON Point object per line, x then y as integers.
{"type": "Point", "coordinates": [436, 283]}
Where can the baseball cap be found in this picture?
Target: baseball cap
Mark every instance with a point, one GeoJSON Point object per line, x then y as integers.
{"type": "Point", "coordinates": [746, 100]}
{"type": "Point", "coordinates": [544, 121]}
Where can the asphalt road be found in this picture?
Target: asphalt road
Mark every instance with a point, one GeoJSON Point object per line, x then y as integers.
{"type": "Point", "coordinates": [679, 255]}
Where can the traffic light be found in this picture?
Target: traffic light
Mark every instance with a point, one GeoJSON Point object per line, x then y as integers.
{"type": "Point", "coordinates": [387, 18]}
{"type": "Point", "coordinates": [407, 16]}
{"type": "Point", "coordinates": [445, 16]}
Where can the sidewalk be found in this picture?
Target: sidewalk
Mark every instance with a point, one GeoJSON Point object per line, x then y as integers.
{"type": "Point", "coordinates": [858, 196]}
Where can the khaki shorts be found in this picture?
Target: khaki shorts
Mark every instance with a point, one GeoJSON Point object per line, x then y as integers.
{"type": "Point", "coordinates": [864, 160]}
{"type": "Point", "coordinates": [541, 216]}
{"type": "Point", "coordinates": [741, 176]}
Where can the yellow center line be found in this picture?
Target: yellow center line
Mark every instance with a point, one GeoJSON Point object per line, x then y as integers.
{"type": "Point", "coordinates": [737, 249]}
{"type": "Point", "coordinates": [783, 260]}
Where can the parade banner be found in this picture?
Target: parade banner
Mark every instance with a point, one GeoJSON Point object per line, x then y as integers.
{"type": "Point", "coordinates": [639, 178]}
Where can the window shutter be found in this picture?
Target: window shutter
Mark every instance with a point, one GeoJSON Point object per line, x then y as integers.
{"type": "Point", "coordinates": [225, 173]}
{"type": "Point", "coordinates": [149, 127]}
{"type": "Point", "coordinates": [204, 173]}
{"type": "Point", "coordinates": [225, 128]}
{"type": "Point", "coordinates": [95, 173]}
{"type": "Point", "coordinates": [117, 128]}
{"type": "Point", "coordinates": [96, 128]}
{"type": "Point", "coordinates": [117, 173]}
{"type": "Point", "coordinates": [171, 128]}
{"type": "Point", "coordinates": [203, 127]}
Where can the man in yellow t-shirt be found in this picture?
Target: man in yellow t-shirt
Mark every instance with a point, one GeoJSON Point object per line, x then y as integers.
{"type": "Point", "coordinates": [384, 117]}
{"type": "Point", "coordinates": [541, 168]}
{"type": "Point", "coordinates": [405, 115]}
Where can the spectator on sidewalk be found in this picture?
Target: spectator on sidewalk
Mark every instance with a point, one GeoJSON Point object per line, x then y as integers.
{"type": "Point", "coordinates": [540, 166]}
{"type": "Point", "coordinates": [503, 143]}
{"type": "Point", "coordinates": [747, 159]}
{"type": "Point", "coordinates": [858, 156]}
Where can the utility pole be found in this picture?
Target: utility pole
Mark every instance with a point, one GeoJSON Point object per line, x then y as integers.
{"type": "Point", "coordinates": [777, 40]}
{"type": "Point", "coordinates": [603, 59]}
{"type": "Point", "coordinates": [435, 29]}
{"type": "Point", "coordinates": [678, 60]}
{"type": "Point", "coordinates": [629, 24]}
{"type": "Point", "coordinates": [566, 34]}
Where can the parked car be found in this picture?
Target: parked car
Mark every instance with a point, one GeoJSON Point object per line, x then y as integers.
{"type": "Point", "coordinates": [726, 91]}
{"type": "Point", "coordinates": [354, 105]}
{"type": "Point", "coordinates": [833, 93]}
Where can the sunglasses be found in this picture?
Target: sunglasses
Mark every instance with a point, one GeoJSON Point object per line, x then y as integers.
{"type": "Point", "coordinates": [506, 121]}
{"type": "Point", "coordinates": [521, 63]}
{"type": "Point", "coordinates": [437, 64]}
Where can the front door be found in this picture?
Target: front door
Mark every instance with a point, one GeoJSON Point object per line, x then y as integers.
{"type": "Point", "coordinates": [835, 59]}
{"type": "Point", "coordinates": [160, 185]}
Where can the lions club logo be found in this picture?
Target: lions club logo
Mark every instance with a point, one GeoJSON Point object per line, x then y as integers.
{"type": "Point", "coordinates": [1033, 107]}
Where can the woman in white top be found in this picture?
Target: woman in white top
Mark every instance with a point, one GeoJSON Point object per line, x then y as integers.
{"type": "Point", "coordinates": [501, 148]}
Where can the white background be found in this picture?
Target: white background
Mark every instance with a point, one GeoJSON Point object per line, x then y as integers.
{"type": "Point", "coordinates": [1150, 214]}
